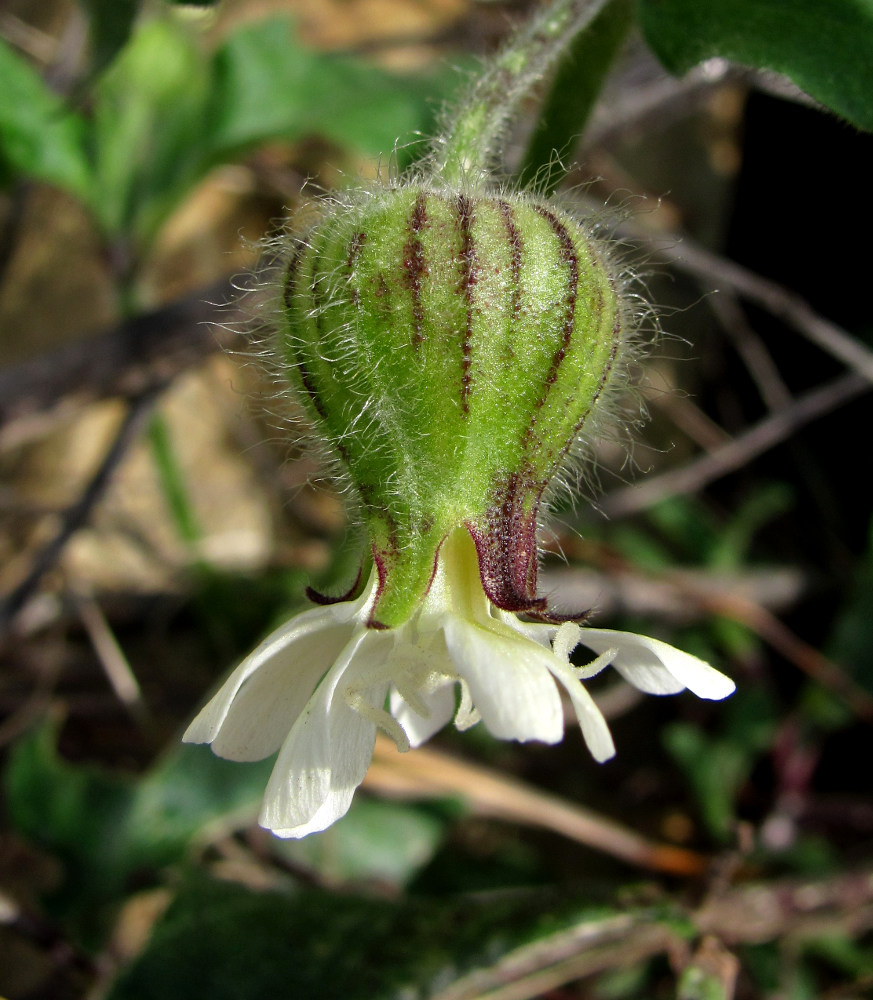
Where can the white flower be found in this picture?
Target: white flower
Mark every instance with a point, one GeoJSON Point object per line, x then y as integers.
{"type": "Point", "coordinates": [318, 688]}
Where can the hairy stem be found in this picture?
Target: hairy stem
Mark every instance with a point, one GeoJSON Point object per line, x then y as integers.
{"type": "Point", "coordinates": [471, 137]}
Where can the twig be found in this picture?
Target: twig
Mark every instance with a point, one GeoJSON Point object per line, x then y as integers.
{"type": "Point", "coordinates": [644, 98]}
{"type": "Point", "coordinates": [755, 914]}
{"type": "Point", "coordinates": [753, 351]}
{"type": "Point", "coordinates": [125, 361]}
{"type": "Point", "coordinates": [111, 656]}
{"type": "Point", "coordinates": [427, 772]}
{"type": "Point", "coordinates": [618, 941]}
{"type": "Point", "coordinates": [752, 914]}
{"type": "Point", "coordinates": [37, 44]}
{"type": "Point", "coordinates": [77, 515]}
{"type": "Point", "coordinates": [762, 436]}
{"type": "Point", "coordinates": [712, 270]}
{"type": "Point", "coordinates": [808, 659]}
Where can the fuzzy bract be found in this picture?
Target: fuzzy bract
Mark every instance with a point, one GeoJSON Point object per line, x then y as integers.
{"type": "Point", "coordinates": [450, 348]}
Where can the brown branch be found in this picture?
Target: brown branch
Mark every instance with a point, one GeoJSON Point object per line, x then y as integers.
{"type": "Point", "coordinates": [759, 438]}
{"type": "Point", "coordinates": [805, 657]}
{"type": "Point", "coordinates": [711, 270]}
{"type": "Point", "coordinates": [126, 361]}
{"type": "Point", "coordinates": [78, 514]}
{"type": "Point", "coordinates": [428, 773]}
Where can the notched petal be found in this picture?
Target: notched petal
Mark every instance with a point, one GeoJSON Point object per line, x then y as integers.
{"type": "Point", "coordinates": [656, 667]}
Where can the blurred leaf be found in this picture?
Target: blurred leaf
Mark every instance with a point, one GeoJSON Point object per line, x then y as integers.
{"type": "Point", "coordinates": [717, 766]}
{"type": "Point", "coordinates": [39, 137]}
{"type": "Point", "coordinates": [106, 827]}
{"type": "Point", "coordinates": [226, 942]}
{"type": "Point", "coordinates": [377, 840]}
{"type": "Point", "coordinates": [267, 86]}
{"type": "Point", "coordinates": [851, 643]}
{"type": "Point", "coordinates": [716, 770]}
{"type": "Point", "coordinates": [823, 47]}
{"type": "Point", "coordinates": [697, 983]}
{"type": "Point", "coordinates": [844, 954]}
{"type": "Point", "coordinates": [761, 505]}
{"type": "Point", "coordinates": [148, 129]}
{"type": "Point", "coordinates": [165, 112]}
{"type": "Point", "coordinates": [689, 526]}
{"type": "Point", "coordinates": [574, 92]}
{"type": "Point", "coordinates": [110, 23]}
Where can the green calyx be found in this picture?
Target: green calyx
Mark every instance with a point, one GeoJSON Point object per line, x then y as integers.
{"type": "Point", "coordinates": [450, 347]}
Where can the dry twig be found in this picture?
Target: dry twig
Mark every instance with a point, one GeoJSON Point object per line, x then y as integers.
{"type": "Point", "coordinates": [759, 438]}
{"type": "Point", "coordinates": [431, 773]}
{"type": "Point", "coordinates": [77, 515]}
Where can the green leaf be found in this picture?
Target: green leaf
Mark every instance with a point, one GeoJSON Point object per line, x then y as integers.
{"type": "Point", "coordinates": [107, 828]}
{"type": "Point", "coordinates": [165, 113]}
{"type": "Point", "coordinates": [226, 942]}
{"type": "Point", "coordinates": [386, 841]}
{"type": "Point", "coordinates": [110, 23]}
{"type": "Point", "coordinates": [824, 47]}
{"type": "Point", "coordinates": [148, 129]}
{"type": "Point", "coordinates": [717, 766]}
{"type": "Point", "coordinates": [110, 829]}
{"type": "Point", "coordinates": [40, 138]}
{"type": "Point", "coordinates": [574, 91]}
{"type": "Point", "coordinates": [269, 86]}
{"type": "Point", "coordinates": [716, 769]}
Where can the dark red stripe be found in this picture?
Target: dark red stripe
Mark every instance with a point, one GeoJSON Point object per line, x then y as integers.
{"type": "Point", "coordinates": [355, 246]}
{"type": "Point", "coordinates": [413, 262]}
{"type": "Point", "coordinates": [290, 285]}
{"type": "Point", "coordinates": [571, 260]}
{"type": "Point", "coordinates": [507, 213]}
{"type": "Point", "coordinates": [469, 278]}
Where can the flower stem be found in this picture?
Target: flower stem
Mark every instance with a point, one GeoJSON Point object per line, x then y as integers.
{"type": "Point", "coordinates": [470, 139]}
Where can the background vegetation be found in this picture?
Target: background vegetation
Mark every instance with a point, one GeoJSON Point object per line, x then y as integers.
{"type": "Point", "coordinates": [155, 522]}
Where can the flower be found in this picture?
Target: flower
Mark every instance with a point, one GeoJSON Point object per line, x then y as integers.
{"type": "Point", "coordinates": [320, 687]}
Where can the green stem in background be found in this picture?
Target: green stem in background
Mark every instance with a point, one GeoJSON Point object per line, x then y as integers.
{"type": "Point", "coordinates": [470, 139]}
{"type": "Point", "coordinates": [173, 484]}
{"type": "Point", "coordinates": [573, 93]}
{"type": "Point", "coordinates": [210, 595]}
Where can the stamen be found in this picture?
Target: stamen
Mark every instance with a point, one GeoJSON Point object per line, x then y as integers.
{"type": "Point", "coordinates": [378, 716]}
{"type": "Point", "coordinates": [467, 715]}
{"type": "Point", "coordinates": [566, 640]}
{"type": "Point", "coordinates": [593, 668]}
{"type": "Point", "coordinates": [410, 691]}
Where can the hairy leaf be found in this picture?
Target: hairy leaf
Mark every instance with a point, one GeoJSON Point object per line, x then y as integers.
{"type": "Point", "coordinates": [824, 47]}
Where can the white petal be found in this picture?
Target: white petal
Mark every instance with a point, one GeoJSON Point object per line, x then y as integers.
{"type": "Point", "coordinates": [440, 705]}
{"type": "Point", "coordinates": [347, 770]}
{"type": "Point", "coordinates": [657, 667]}
{"type": "Point", "coordinates": [312, 623]}
{"type": "Point", "coordinates": [594, 728]}
{"type": "Point", "coordinates": [328, 750]}
{"type": "Point", "coordinates": [268, 703]}
{"type": "Point", "coordinates": [509, 680]}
